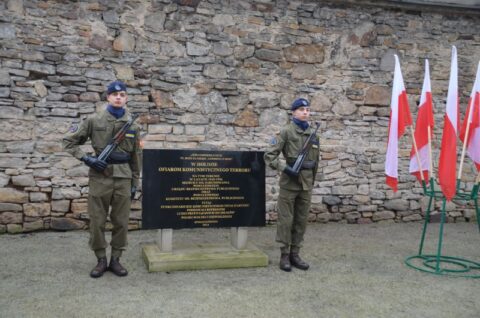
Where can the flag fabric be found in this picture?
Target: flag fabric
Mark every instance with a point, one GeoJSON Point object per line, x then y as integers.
{"type": "Point", "coordinates": [447, 165]}
{"type": "Point", "coordinates": [400, 118]}
{"type": "Point", "coordinates": [473, 117]}
{"type": "Point", "coordinates": [424, 120]}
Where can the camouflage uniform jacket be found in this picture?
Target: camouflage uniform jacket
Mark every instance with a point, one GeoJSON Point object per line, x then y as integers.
{"type": "Point", "coordinates": [100, 129]}
{"type": "Point", "coordinates": [289, 142]}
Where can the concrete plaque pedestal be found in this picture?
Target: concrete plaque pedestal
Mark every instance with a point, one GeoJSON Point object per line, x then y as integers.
{"type": "Point", "coordinates": [161, 257]}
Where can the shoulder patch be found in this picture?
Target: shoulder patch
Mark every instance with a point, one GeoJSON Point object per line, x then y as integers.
{"type": "Point", "coordinates": [273, 141]}
{"type": "Point", "coordinates": [130, 134]}
{"type": "Point", "coordinates": [73, 128]}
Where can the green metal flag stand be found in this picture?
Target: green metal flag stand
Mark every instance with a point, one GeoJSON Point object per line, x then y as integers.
{"type": "Point", "coordinates": [439, 264]}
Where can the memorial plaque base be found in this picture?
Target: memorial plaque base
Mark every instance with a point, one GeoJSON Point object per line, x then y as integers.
{"type": "Point", "coordinates": [202, 256]}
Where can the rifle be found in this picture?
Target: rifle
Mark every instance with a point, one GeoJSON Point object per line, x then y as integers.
{"type": "Point", "coordinates": [117, 139]}
{"type": "Point", "coordinates": [297, 166]}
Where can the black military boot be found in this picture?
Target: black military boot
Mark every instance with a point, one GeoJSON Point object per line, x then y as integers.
{"type": "Point", "coordinates": [100, 268]}
{"type": "Point", "coordinates": [116, 267]}
{"type": "Point", "coordinates": [296, 261]}
{"type": "Point", "coordinates": [285, 262]}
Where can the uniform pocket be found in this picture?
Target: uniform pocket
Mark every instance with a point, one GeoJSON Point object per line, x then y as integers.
{"type": "Point", "coordinates": [128, 142]}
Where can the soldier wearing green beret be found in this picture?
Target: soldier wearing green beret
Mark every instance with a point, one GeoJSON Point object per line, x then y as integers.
{"type": "Point", "coordinates": [113, 183]}
{"type": "Point", "coordinates": [295, 190]}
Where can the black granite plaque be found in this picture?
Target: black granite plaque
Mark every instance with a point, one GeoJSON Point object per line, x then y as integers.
{"type": "Point", "coordinates": [199, 188]}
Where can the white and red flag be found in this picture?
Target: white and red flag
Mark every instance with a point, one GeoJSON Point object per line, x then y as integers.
{"type": "Point", "coordinates": [447, 165]}
{"type": "Point", "coordinates": [472, 120]}
{"type": "Point", "coordinates": [424, 121]}
{"type": "Point", "coordinates": [400, 118]}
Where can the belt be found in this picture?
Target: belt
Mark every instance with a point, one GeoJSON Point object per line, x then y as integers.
{"type": "Point", "coordinates": [306, 165]}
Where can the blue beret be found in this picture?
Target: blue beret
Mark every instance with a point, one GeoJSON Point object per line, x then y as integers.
{"type": "Point", "coordinates": [116, 86]}
{"type": "Point", "coordinates": [300, 102]}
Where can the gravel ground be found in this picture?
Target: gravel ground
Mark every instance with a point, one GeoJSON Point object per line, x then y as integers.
{"type": "Point", "coordinates": [356, 271]}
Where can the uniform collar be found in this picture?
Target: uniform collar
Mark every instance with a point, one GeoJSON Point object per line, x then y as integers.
{"type": "Point", "coordinates": [110, 117]}
{"type": "Point", "coordinates": [299, 130]}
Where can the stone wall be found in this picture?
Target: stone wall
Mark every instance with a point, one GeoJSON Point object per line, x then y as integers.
{"type": "Point", "coordinates": [220, 75]}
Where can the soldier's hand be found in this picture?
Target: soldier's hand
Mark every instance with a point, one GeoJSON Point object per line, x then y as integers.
{"type": "Point", "coordinates": [94, 163]}
{"type": "Point", "coordinates": [132, 191]}
{"type": "Point", "coordinates": [290, 172]}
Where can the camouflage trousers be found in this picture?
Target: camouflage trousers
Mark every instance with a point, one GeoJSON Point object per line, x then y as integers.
{"type": "Point", "coordinates": [103, 193]}
{"type": "Point", "coordinates": [293, 209]}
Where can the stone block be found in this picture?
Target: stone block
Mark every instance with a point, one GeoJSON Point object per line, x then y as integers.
{"type": "Point", "coordinates": [65, 193]}
{"type": "Point", "coordinates": [79, 207]}
{"type": "Point", "coordinates": [194, 130]}
{"type": "Point", "coordinates": [14, 228]}
{"type": "Point", "coordinates": [412, 218]}
{"type": "Point", "coordinates": [60, 205]}
{"type": "Point", "coordinates": [155, 21]}
{"type": "Point", "coordinates": [312, 53]}
{"type": "Point", "coordinates": [4, 180]}
{"type": "Point", "coordinates": [11, 218]}
{"type": "Point", "coordinates": [160, 129]}
{"type": "Point", "coordinates": [39, 68]}
{"type": "Point", "coordinates": [7, 31]}
{"type": "Point", "coordinates": [36, 209]}
{"type": "Point", "coordinates": [38, 197]}
{"type": "Point", "coordinates": [378, 95]}
{"type": "Point", "coordinates": [40, 89]}
{"type": "Point", "coordinates": [247, 118]}
{"type": "Point", "coordinates": [10, 207]}
{"type": "Point", "coordinates": [10, 195]}
{"type": "Point", "coordinates": [352, 216]}
{"type": "Point", "coordinates": [397, 205]}
{"type": "Point", "coordinates": [66, 224]}
{"type": "Point", "coordinates": [320, 102]}
{"type": "Point", "coordinates": [383, 215]}
{"type": "Point", "coordinates": [324, 217]}
{"type": "Point", "coordinates": [215, 71]}
{"type": "Point", "coordinates": [194, 49]}
{"type": "Point", "coordinates": [269, 55]}
{"type": "Point", "coordinates": [89, 97]}
{"type": "Point", "coordinates": [304, 71]}
{"type": "Point", "coordinates": [12, 163]}
{"type": "Point", "coordinates": [344, 106]}
{"type": "Point", "coordinates": [24, 180]}
{"type": "Point", "coordinates": [101, 74]}
{"type": "Point", "coordinates": [125, 42]}
{"type": "Point", "coordinates": [331, 200]}
{"type": "Point", "coordinates": [33, 226]}
{"type": "Point", "coordinates": [123, 72]}
{"type": "Point", "coordinates": [99, 42]}
{"type": "Point", "coordinates": [344, 190]}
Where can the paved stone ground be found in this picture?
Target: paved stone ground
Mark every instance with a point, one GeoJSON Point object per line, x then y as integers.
{"type": "Point", "coordinates": [356, 271]}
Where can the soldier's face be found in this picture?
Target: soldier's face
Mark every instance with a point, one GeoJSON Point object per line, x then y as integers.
{"type": "Point", "coordinates": [117, 99]}
{"type": "Point", "coordinates": [302, 113]}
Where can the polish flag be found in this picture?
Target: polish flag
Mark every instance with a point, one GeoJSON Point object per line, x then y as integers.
{"type": "Point", "coordinates": [473, 117]}
{"type": "Point", "coordinates": [447, 165]}
{"type": "Point", "coordinates": [400, 118]}
{"type": "Point", "coordinates": [424, 120]}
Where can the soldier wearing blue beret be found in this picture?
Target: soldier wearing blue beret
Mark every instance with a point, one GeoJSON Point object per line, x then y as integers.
{"type": "Point", "coordinates": [113, 183]}
{"type": "Point", "coordinates": [295, 190]}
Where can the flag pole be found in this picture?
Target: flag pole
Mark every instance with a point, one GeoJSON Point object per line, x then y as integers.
{"type": "Point", "coordinates": [416, 154]}
{"type": "Point", "coordinates": [430, 151]}
{"type": "Point", "coordinates": [462, 158]}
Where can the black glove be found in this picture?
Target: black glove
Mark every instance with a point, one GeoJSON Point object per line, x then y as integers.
{"type": "Point", "coordinates": [290, 172]}
{"type": "Point", "coordinates": [132, 191]}
{"type": "Point", "coordinates": [94, 163]}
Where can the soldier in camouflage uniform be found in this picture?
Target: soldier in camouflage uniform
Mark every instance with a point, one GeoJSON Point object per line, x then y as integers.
{"type": "Point", "coordinates": [111, 183]}
{"type": "Point", "coordinates": [295, 191]}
